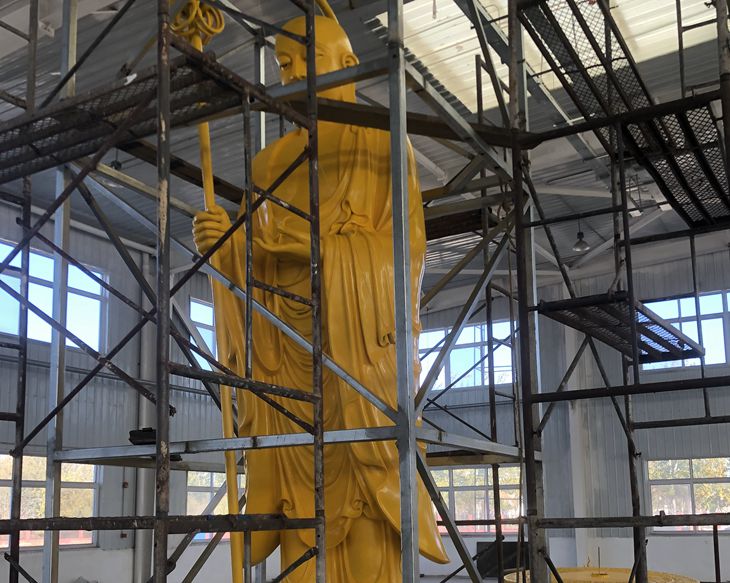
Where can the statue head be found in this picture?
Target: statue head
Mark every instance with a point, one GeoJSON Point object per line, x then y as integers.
{"type": "Point", "coordinates": [333, 51]}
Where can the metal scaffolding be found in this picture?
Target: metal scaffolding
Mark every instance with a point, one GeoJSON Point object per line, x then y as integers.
{"type": "Point", "coordinates": [187, 85]}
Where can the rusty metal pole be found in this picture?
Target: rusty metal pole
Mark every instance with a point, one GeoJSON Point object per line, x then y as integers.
{"type": "Point", "coordinates": [527, 321]}
{"type": "Point", "coordinates": [316, 297]}
{"type": "Point", "coordinates": [162, 435]}
{"type": "Point", "coordinates": [723, 41]}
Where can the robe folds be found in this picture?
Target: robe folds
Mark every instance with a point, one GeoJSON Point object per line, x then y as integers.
{"type": "Point", "coordinates": [362, 493]}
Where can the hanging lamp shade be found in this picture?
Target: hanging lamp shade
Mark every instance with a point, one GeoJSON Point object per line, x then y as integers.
{"type": "Point", "coordinates": [581, 245]}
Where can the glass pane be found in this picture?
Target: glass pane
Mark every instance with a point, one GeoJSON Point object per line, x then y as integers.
{"type": "Point", "coordinates": [714, 467]}
{"type": "Point", "coordinates": [430, 338]}
{"type": "Point", "coordinates": [711, 304]}
{"type": "Point", "coordinates": [201, 479]}
{"type": "Point", "coordinates": [503, 365]}
{"type": "Point", "coordinates": [687, 307]}
{"type": "Point", "coordinates": [42, 297]}
{"type": "Point", "coordinates": [667, 309]}
{"type": "Point", "coordinates": [32, 505]}
{"type": "Point", "coordinates": [671, 499]}
{"type": "Point", "coordinates": [509, 500]}
{"type": "Point", "coordinates": [6, 467]}
{"type": "Point", "coordinates": [462, 360]}
{"type": "Point", "coordinates": [501, 330]}
{"type": "Point", "coordinates": [79, 280]}
{"type": "Point", "coordinates": [196, 502]}
{"type": "Point", "coordinates": [426, 365]}
{"type": "Point", "coordinates": [34, 468]}
{"type": "Point", "coordinates": [470, 335]}
{"type": "Point", "coordinates": [668, 469]}
{"type": "Point", "coordinates": [4, 502]}
{"type": "Point", "coordinates": [9, 320]}
{"type": "Point", "coordinates": [41, 266]}
{"type": "Point", "coordinates": [209, 339]}
{"type": "Point", "coordinates": [470, 505]}
{"type": "Point", "coordinates": [221, 507]}
{"type": "Point", "coordinates": [201, 312]}
{"type": "Point", "coordinates": [77, 502]}
{"type": "Point", "coordinates": [77, 473]}
{"type": "Point", "coordinates": [447, 500]}
{"type": "Point", "coordinates": [441, 477]}
{"type": "Point", "coordinates": [711, 498]}
{"type": "Point", "coordinates": [469, 477]}
{"type": "Point", "coordinates": [5, 249]}
{"type": "Point", "coordinates": [84, 319]}
{"type": "Point", "coordinates": [662, 365]}
{"type": "Point", "coordinates": [200, 360]}
{"type": "Point", "coordinates": [218, 479]}
{"type": "Point", "coordinates": [713, 338]}
{"type": "Point", "coordinates": [690, 329]}
{"type": "Point", "coordinates": [509, 476]}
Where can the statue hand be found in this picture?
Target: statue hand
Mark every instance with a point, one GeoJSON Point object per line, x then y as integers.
{"type": "Point", "coordinates": [208, 227]}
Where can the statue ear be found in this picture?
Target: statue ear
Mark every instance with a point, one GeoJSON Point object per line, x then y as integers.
{"type": "Point", "coordinates": [349, 60]}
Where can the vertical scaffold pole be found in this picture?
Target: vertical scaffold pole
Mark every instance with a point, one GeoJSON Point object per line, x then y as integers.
{"type": "Point", "coordinates": [527, 322]}
{"type": "Point", "coordinates": [490, 344]}
{"type": "Point", "coordinates": [259, 143]}
{"type": "Point", "coordinates": [17, 470]}
{"type": "Point", "coordinates": [723, 40]}
{"type": "Point", "coordinates": [162, 434]}
{"type": "Point", "coordinates": [406, 439]}
{"type": "Point", "coordinates": [316, 282]}
{"type": "Point", "coordinates": [56, 384]}
{"type": "Point", "coordinates": [639, 532]}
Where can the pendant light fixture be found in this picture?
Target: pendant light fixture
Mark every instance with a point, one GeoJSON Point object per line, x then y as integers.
{"type": "Point", "coordinates": [581, 245]}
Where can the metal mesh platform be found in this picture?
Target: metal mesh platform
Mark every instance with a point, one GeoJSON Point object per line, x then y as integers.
{"type": "Point", "coordinates": [585, 49]}
{"type": "Point", "coordinates": [78, 126]}
{"type": "Point", "coordinates": [607, 318]}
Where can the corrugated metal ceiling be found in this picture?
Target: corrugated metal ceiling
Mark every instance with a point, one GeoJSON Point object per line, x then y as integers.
{"type": "Point", "coordinates": [445, 45]}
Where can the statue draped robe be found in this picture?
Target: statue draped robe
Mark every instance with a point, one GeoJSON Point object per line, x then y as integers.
{"type": "Point", "coordinates": [362, 493]}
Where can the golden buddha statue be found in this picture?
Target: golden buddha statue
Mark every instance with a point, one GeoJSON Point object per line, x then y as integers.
{"type": "Point", "coordinates": [362, 494]}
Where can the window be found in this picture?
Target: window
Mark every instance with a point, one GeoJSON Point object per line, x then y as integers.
{"type": "Point", "coordinates": [202, 486]}
{"type": "Point", "coordinates": [79, 494]}
{"type": "Point", "coordinates": [468, 491]}
{"type": "Point", "coordinates": [680, 312]}
{"type": "Point", "coordinates": [470, 349]}
{"type": "Point", "coordinates": [84, 307]}
{"type": "Point", "coordinates": [202, 315]}
{"type": "Point", "coordinates": [689, 486]}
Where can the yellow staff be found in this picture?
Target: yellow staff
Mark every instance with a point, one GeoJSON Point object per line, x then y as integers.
{"type": "Point", "coordinates": [198, 23]}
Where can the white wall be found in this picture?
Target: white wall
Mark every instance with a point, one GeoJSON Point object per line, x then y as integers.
{"type": "Point", "coordinates": [91, 564]}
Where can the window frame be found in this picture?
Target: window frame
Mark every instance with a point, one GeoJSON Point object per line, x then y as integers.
{"type": "Point", "coordinates": [448, 493]}
{"type": "Point", "coordinates": [690, 481]}
{"type": "Point", "coordinates": [211, 489]}
{"type": "Point", "coordinates": [723, 315]}
{"type": "Point", "coordinates": [94, 486]}
{"type": "Point", "coordinates": [483, 368]}
{"type": "Point", "coordinates": [203, 326]}
{"type": "Point", "coordinates": [102, 298]}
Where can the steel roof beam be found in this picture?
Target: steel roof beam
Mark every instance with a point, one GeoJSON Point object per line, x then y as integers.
{"type": "Point", "coordinates": [498, 41]}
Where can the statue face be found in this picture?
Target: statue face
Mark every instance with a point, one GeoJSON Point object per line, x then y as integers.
{"type": "Point", "coordinates": [333, 52]}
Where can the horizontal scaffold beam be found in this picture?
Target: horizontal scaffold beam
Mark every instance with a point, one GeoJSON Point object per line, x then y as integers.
{"type": "Point", "coordinates": [177, 524]}
{"type": "Point", "coordinates": [100, 455]}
